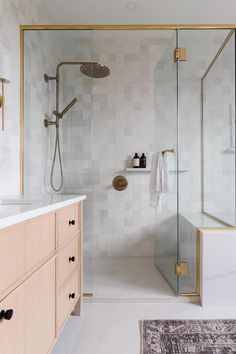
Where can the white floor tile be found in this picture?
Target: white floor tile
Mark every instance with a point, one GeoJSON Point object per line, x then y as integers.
{"type": "Point", "coordinates": [113, 328]}
{"type": "Point", "coordinates": [126, 291]}
{"type": "Point", "coordinates": [129, 278]}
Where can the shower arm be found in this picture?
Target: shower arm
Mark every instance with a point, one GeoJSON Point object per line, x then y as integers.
{"type": "Point", "coordinates": [58, 76]}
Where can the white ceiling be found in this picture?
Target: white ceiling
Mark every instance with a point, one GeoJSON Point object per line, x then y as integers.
{"type": "Point", "coordinates": [141, 11]}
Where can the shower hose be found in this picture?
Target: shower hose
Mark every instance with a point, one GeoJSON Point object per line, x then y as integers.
{"type": "Point", "coordinates": [57, 149]}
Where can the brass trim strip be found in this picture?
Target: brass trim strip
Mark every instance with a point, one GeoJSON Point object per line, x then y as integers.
{"type": "Point", "coordinates": [21, 112]}
{"type": "Point", "coordinates": [217, 228]}
{"type": "Point", "coordinates": [198, 262]}
{"type": "Point", "coordinates": [218, 54]}
{"type": "Point", "coordinates": [87, 295]}
{"type": "Point", "coordinates": [130, 27]}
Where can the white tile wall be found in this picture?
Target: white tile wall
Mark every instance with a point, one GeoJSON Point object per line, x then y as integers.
{"type": "Point", "coordinates": [12, 14]}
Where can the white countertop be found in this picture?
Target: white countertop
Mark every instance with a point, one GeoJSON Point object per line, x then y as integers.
{"type": "Point", "coordinates": [13, 211]}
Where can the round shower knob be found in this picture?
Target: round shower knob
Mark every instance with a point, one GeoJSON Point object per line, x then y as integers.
{"type": "Point", "coordinates": [120, 183]}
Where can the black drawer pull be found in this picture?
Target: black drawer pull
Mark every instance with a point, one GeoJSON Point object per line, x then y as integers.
{"type": "Point", "coordinates": [71, 259]}
{"type": "Point", "coordinates": [6, 315]}
{"type": "Point", "coordinates": [72, 296]}
{"type": "Point", "coordinates": [71, 222]}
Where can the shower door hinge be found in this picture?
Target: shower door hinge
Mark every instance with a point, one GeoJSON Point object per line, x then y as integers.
{"type": "Point", "coordinates": [180, 54]}
{"type": "Point", "coordinates": [181, 269]}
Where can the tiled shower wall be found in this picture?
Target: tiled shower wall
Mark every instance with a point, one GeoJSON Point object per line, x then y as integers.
{"type": "Point", "coordinates": [12, 14]}
{"type": "Point", "coordinates": [124, 123]}
{"type": "Point", "coordinates": [114, 118]}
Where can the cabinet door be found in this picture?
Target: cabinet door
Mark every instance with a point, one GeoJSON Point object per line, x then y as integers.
{"type": "Point", "coordinates": [67, 260]}
{"type": "Point", "coordinates": [24, 246]}
{"type": "Point", "coordinates": [67, 298]}
{"type": "Point", "coordinates": [31, 330]}
{"type": "Point", "coordinates": [67, 223]}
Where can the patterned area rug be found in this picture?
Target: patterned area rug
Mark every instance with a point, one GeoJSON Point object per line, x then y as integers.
{"type": "Point", "coordinates": [188, 336]}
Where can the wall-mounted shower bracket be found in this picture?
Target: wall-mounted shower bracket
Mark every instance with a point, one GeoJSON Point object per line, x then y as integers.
{"type": "Point", "coordinates": [48, 78]}
{"type": "Point", "coordinates": [47, 123]}
{"type": "Point", "coordinates": [180, 54]}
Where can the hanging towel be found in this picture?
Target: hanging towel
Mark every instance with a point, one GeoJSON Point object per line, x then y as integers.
{"type": "Point", "coordinates": [159, 178]}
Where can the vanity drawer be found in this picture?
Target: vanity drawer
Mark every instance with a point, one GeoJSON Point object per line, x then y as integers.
{"type": "Point", "coordinates": [67, 260]}
{"type": "Point", "coordinates": [68, 222]}
{"type": "Point", "coordinates": [32, 326]}
{"type": "Point", "coordinates": [24, 246]}
{"type": "Point", "coordinates": [66, 299]}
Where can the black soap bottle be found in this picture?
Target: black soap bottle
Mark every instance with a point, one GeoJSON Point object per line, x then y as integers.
{"type": "Point", "coordinates": [136, 161]}
{"type": "Point", "coordinates": [143, 161]}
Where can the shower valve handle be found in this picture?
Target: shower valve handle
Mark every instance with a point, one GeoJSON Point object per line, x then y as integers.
{"type": "Point", "coordinates": [71, 222]}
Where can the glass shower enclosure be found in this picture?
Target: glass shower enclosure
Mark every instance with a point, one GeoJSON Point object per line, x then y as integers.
{"type": "Point", "coordinates": [169, 90]}
{"type": "Point", "coordinates": [202, 170]}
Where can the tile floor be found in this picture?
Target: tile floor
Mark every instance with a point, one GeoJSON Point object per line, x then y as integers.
{"type": "Point", "coordinates": [125, 292]}
{"type": "Point", "coordinates": [113, 328]}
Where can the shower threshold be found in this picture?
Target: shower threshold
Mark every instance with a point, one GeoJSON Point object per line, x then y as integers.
{"type": "Point", "coordinates": [131, 279]}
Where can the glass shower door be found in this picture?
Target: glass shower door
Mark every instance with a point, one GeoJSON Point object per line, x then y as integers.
{"type": "Point", "coordinates": [202, 47]}
{"type": "Point", "coordinates": [166, 84]}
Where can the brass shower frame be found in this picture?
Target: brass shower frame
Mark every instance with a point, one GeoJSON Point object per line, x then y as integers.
{"type": "Point", "coordinates": [170, 27]}
{"type": "Point", "coordinates": [24, 28]}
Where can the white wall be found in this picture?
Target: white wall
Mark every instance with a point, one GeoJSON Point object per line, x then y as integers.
{"type": "Point", "coordinates": [43, 50]}
{"type": "Point", "coordinates": [145, 11]}
{"type": "Point", "coordinates": [12, 14]}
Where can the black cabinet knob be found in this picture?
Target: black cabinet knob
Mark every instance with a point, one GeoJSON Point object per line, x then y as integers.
{"type": "Point", "coordinates": [72, 296]}
{"type": "Point", "coordinates": [6, 315]}
{"type": "Point", "coordinates": [71, 222]}
{"type": "Point", "coordinates": [71, 259]}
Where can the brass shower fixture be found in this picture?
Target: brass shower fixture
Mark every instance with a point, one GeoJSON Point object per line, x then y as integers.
{"type": "Point", "coordinates": [91, 69]}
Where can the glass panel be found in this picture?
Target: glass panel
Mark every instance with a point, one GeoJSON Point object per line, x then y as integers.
{"type": "Point", "coordinates": [219, 134]}
{"type": "Point", "coordinates": [43, 51]}
{"type": "Point", "coordinates": [201, 47]}
{"type": "Point", "coordinates": [166, 125]}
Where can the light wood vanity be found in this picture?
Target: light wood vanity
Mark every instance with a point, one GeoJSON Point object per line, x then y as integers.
{"type": "Point", "coordinates": [41, 279]}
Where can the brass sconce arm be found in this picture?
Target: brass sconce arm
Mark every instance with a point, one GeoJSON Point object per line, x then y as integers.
{"type": "Point", "coordinates": [2, 100]}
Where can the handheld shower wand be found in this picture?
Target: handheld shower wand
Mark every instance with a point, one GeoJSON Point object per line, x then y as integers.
{"type": "Point", "coordinates": [68, 107]}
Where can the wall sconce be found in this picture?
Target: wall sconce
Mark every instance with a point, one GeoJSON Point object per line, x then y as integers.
{"type": "Point", "coordinates": [2, 99]}
{"type": "Point", "coordinates": [5, 77]}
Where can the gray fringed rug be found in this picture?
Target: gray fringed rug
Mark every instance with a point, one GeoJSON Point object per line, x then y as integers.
{"type": "Point", "coordinates": [188, 336]}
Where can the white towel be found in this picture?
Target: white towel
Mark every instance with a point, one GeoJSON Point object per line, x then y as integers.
{"type": "Point", "coordinates": [159, 178]}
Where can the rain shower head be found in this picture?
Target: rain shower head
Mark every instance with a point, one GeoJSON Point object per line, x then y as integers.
{"type": "Point", "coordinates": [68, 107]}
{"type": "Point", "coordinates": [95, 70]}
